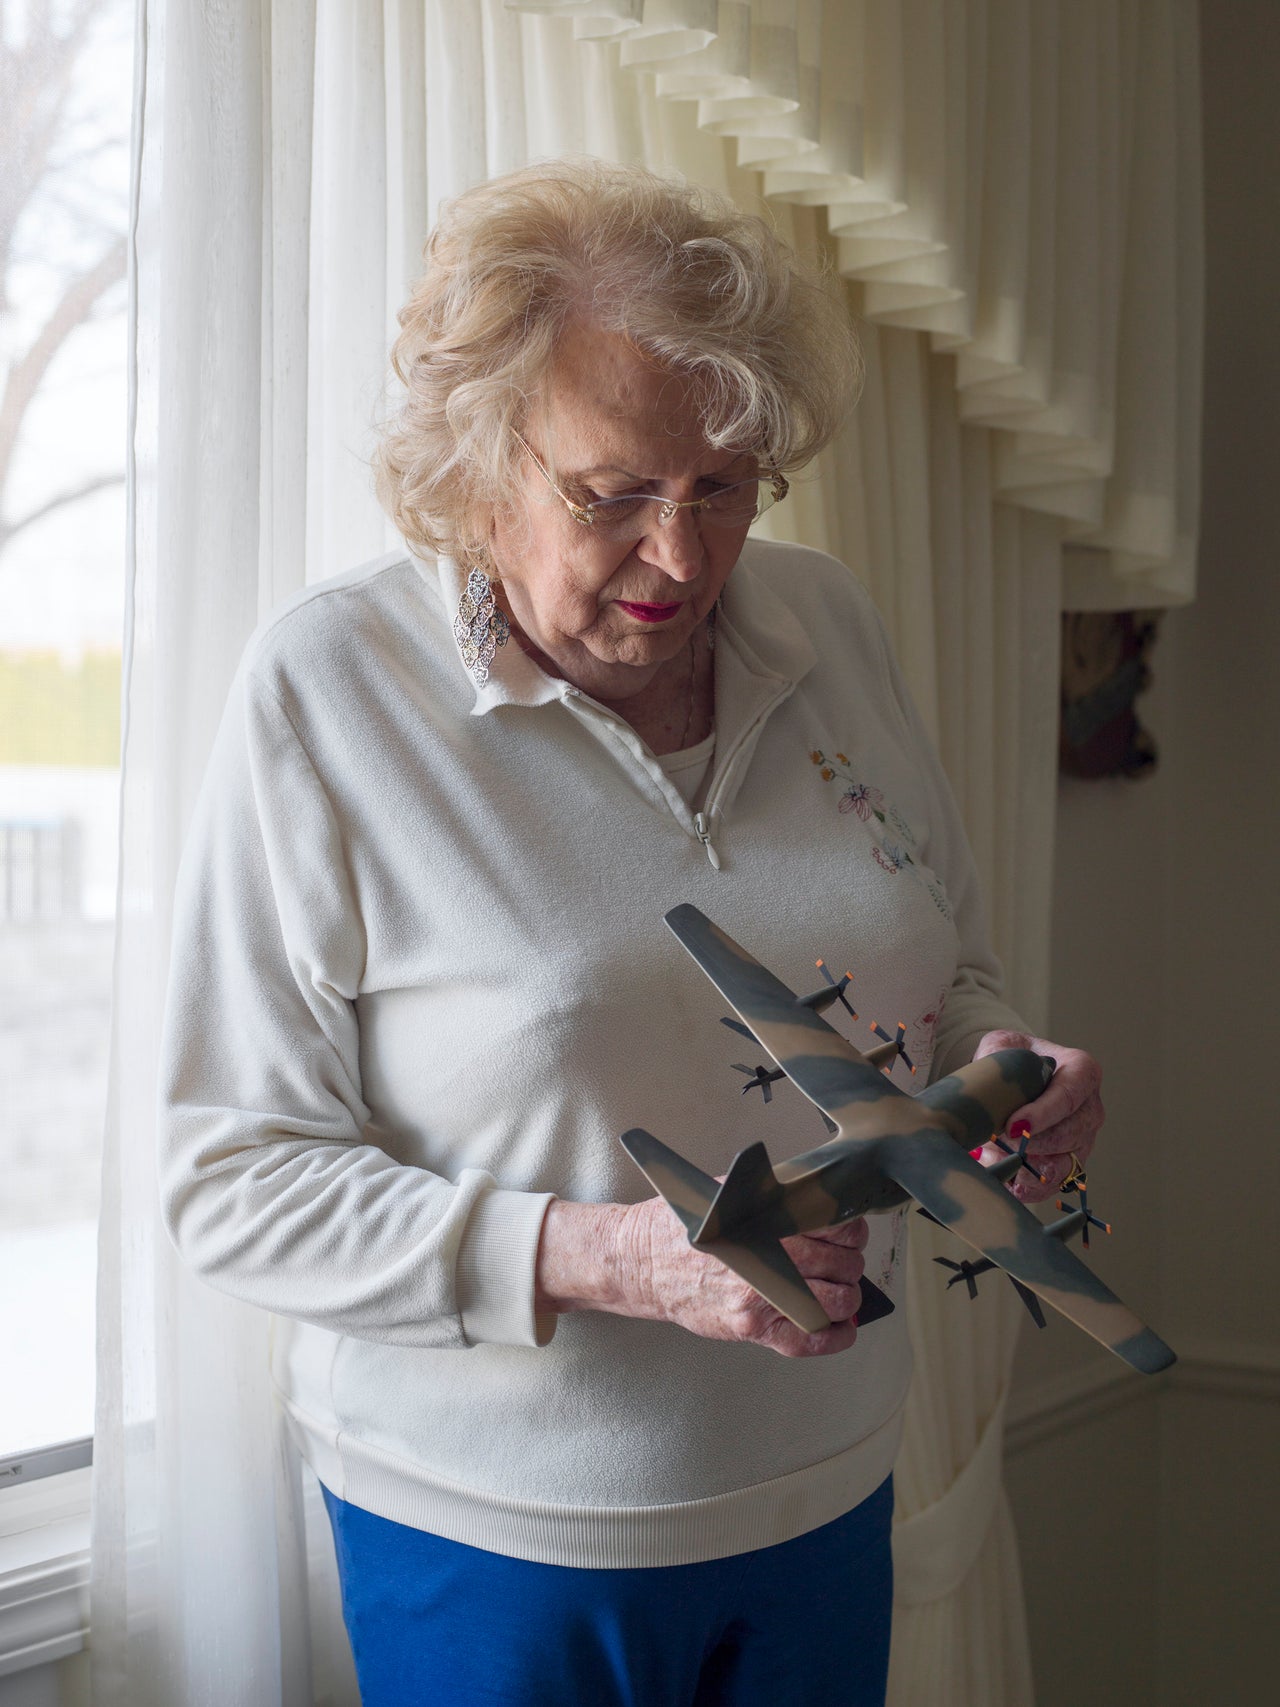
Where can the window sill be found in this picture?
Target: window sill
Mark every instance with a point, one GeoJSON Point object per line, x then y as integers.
{"type": "Point", "coordinates": [44, 1571]}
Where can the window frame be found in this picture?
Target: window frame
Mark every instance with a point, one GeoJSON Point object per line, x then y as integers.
{"type": "Point", "coordinates": [46, 1492]}
{"type": "Point", "coordinates": [19, 1469]}
{"type": "Point", "coordinates": [44, 1555]}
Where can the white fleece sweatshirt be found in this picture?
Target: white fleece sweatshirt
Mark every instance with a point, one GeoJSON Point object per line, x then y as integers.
{"type": "Point", "coordinates": [420, 983]}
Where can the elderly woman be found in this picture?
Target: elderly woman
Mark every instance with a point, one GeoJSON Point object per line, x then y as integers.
{"type": "Point", "coordinates": [421, 983]}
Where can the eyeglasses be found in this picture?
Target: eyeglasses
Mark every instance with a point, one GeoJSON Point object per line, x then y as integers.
{"type": "Point", "coordinates": [633, 513]}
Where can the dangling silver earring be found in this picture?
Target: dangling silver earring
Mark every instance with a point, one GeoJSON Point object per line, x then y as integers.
{"type": "Point", "coordinates": [479, 627]}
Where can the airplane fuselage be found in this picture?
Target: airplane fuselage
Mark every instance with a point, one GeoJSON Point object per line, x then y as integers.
{"type": "Point", "coordinates": [843, 1178]}
{"type": "Point", "coordinates": [819, 1189]}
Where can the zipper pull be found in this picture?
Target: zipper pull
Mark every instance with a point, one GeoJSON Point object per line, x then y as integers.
{"type": "Point", "coordinates": [702, 827]}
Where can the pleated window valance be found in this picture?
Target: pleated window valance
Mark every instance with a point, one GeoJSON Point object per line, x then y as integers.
{"type": "Point", "coordinates": [1019, 179]}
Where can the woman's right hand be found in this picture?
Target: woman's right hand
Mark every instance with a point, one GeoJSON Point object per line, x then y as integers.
{"type": "Point", "coordinates": [636, 1260]}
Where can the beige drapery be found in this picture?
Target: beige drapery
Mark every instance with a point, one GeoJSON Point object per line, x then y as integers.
{"type": "Point", "coordinates": [1012, 189]}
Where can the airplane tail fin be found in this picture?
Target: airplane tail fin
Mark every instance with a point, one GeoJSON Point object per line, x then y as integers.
{"type": "Point", "coordinates": [686, 1188]}
{"type": "Point", "coordinates": [750, 1189]}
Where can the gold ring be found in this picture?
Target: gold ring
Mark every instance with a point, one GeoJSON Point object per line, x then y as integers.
{"type": "Point", "coordinates": [1076, 1177]}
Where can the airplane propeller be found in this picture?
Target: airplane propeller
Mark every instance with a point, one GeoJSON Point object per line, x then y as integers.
{"type": "Point", "coordinates": [899, 1042]}
{"type": "Point", "coordinates": [969, 1272]}
{"type": "Point", "coordinates": [835, 992]}
{"type": "Point", "coordinates": [966, 1271]}
{"type": "Point", "coordinates": [1021, 1133]}
{"type": "Point", "coordinates": [1083, 1210]}
{"type": "Point", "coordinates": [818, 1000]}
{"type": "Point", "coordinates": [764, 1077]}
{"type": "Point", "coordinates": [759, 1077]}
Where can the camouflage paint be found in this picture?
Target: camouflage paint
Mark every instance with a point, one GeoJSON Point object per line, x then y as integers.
{"type": "Point", "coordinates": [888, 1146]}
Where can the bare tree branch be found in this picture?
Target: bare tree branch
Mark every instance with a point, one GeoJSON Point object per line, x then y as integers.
{"type": "Point", "coordinates": [50, 135]}
{"type": "Point", "coordinates": [68, 312]}
{"type": "Point", "coordinates": [60, 500]}
{"type": "Point", "coordinates": [36, 81]}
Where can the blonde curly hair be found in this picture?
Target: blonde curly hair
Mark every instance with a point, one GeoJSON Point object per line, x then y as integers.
{"type": "Point", "coordinates": [706, 291]}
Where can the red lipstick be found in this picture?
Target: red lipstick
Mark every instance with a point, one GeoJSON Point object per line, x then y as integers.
{"type": "Point", "coordinates": [649, 613]}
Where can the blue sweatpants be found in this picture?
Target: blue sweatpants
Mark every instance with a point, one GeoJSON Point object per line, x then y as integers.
{"type": "Point", "coordinates": [434, 1623]}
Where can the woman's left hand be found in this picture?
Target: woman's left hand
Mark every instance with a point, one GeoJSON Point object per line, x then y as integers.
{"type": "Point", "coordinates": [1064, 1119]}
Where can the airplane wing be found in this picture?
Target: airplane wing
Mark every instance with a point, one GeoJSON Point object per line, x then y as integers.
{"type": "Point", "coordinates": [954, 1190]}
{"type": "Point", "coordinates": [838, 1078]}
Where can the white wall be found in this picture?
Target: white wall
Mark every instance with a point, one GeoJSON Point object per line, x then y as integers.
{"type": "Point", "coordinates": [1148, 1516]}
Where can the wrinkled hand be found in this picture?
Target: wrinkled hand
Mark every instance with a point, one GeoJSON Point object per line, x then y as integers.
{"type": "Point", "coordinates": [671, 1281]}
{"type": "Point", "coordinates": [1064, 1119]}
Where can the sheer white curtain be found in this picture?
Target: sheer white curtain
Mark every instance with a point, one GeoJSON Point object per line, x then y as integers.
{"type": "Point", "coordinates": [1011, 188]}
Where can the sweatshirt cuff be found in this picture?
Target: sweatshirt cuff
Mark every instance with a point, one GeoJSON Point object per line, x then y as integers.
{"type": "Point", "coordinates": [496, 1268]}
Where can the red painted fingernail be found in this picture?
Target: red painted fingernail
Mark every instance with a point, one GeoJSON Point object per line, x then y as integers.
{"type": "Point", "coordinates": [1019, 1130]}
{"type": "Point", "coordinates": [976, 1153]}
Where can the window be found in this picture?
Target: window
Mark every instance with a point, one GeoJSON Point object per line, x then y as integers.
{"type": "Point", "coordinates": [65, 78]}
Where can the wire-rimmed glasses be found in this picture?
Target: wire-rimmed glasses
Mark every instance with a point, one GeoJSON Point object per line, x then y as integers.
{"type": "Point", "coordinates": [633, 513]}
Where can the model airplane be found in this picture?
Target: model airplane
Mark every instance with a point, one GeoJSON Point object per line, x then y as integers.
{"type": "Point", "coordinates": [887, 1147]}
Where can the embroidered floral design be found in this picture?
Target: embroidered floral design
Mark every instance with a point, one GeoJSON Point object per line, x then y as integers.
{"type": "Point", "coordinates": [869, 805]}
{"type": "Point", "coordinates": [924, 1028]}
{"type": "Point", "coordinates": [858, 797]}
{"type": "Point", "coordinates": [927, 1023]}
{"type": "Point", "coordinates": [892, 859]}
{"type": "Point", "coordinates": [938, 896]}
{"type": "Point", "coordinates": [901, 826]}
